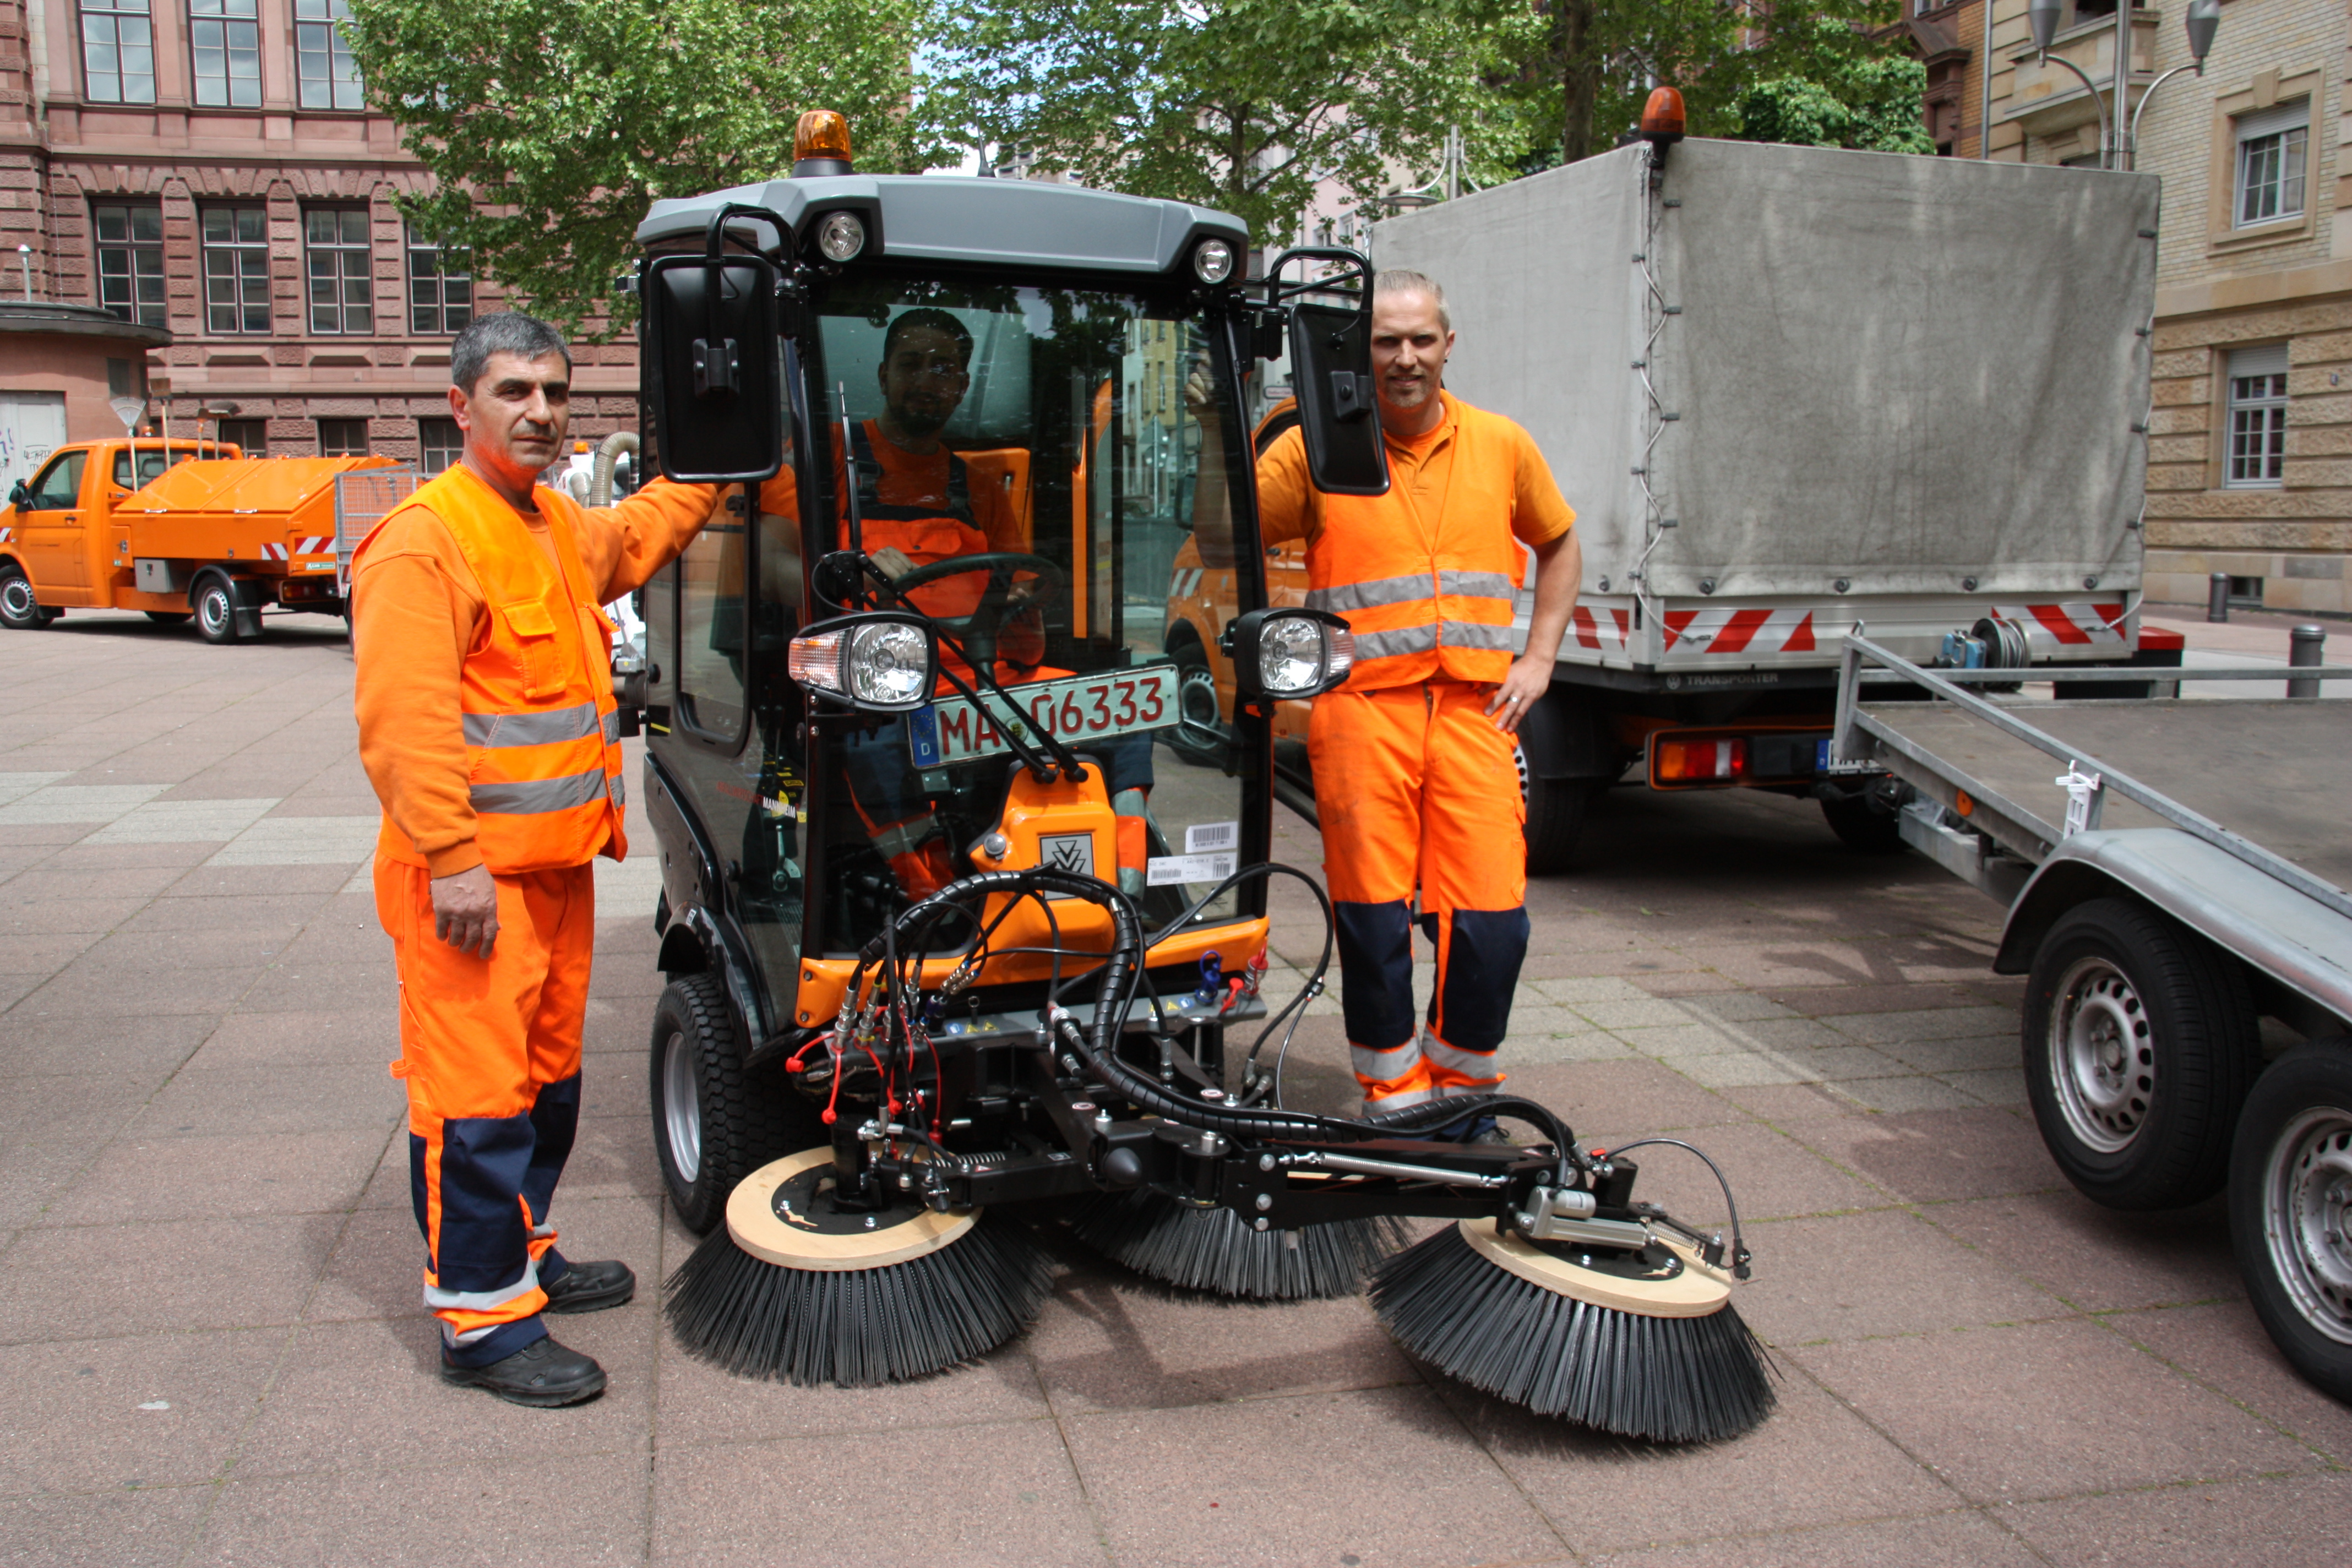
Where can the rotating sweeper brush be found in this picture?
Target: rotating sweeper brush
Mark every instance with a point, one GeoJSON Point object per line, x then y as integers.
{"type": "Point", "coordinates": [889, 1255]}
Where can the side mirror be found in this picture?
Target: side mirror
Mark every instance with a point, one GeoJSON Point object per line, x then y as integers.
{"type": "Point", "coordinates": [712, 367]}
{"type": "Point", "coordinates": [1282, 654]}
{"type": "Point", "coordinates": [18, 495]}
{"type": "Point", "coordinates": [880, 662]}
{"type": "Point", "coordinates": [1331, 376]}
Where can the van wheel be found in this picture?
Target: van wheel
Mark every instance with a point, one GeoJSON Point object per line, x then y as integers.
{"type": "Point", "coordinates": [2140, 1040]}
{"type": "Point", "coordinates": [715, 1121]}
{"type": "Point", "coordinates": [1556, 809]}
{"type": "Point", "coordinates": [214, 605]}
{"type": "Point", "coordinates": [1199, 736]}
{"type": "Point", "coordinates": [18, 609]}
{"type": "Point", "coordinates": [2291, 1209]}
{"type": "Point", "coordinates": [168, 618]}
{"type": "Point", "coordinates": [1869, 820]}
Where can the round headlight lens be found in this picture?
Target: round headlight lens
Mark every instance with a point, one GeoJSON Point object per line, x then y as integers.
{"type": "Point", "coordinates": [1213, 260]}
{"type": "Point", "coordinates": [1290, 655]}
{"type": "Point", "coordinates": [841, 237]}
{"type": "Point", "coordinates": [889, 664]}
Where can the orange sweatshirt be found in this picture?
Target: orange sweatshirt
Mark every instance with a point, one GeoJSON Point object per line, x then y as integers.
{"type": "Point", "coordinates": [418, 613]}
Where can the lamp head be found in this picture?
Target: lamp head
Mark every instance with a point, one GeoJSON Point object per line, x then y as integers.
{"type": "Point", "coordinates": [2204, 21]}
{"type": "Point", "coordinates": [2043, 15]}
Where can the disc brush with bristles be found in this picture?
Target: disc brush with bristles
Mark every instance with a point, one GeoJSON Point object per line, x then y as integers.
{"type": "Point", "coordinates": [1215, 1249]}
{"type": "Point", "coordinates": [1478, 1312]}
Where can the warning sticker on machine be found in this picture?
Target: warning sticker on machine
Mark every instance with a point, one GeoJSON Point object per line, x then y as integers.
{"type": "Point", "coordinates": [1163, 871]}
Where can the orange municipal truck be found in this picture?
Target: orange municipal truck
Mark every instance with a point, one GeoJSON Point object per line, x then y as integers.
{"type": "Point", "coordinates": [184, 530]}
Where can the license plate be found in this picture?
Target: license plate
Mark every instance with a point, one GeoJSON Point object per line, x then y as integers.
{"type": "Point", "coordinates": [1077, 710]}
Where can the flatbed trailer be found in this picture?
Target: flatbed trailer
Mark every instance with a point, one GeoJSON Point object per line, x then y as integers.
{"type": "Point", "coordinates": [2175, 871]}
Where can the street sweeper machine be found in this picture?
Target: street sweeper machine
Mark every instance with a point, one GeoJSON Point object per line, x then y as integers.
{"type": "Point", "coordinates": [962, 949]}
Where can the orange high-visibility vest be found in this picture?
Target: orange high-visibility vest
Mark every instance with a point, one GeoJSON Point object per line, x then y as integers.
{"type": "Point", "coordinates": [1426, 593]}
{"type": "Point", "coordinates": [541, 728]}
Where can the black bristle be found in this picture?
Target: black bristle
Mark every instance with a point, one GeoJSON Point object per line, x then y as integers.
{"type": "Point", "coordinates": [857, 1328]}
{"type": "Point", "coordinates": [1213, 1249]}
{"type": "Point", "coordinates": [1669, 1380]}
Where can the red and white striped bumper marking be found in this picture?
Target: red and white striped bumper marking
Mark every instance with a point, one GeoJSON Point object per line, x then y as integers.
{"type": "Point", "coordinates": [2076, 625]}
{"type": "Point", "coordinates": [1605, 631]}
{"type": "Point", "coordinates": [273, 553]}
{"type": "Point", "coordinates": [1186, 580]}
{"type": "Point", "coordinates": [311, 544]}
{"type": "Point", "coordinates": [1751, 630]}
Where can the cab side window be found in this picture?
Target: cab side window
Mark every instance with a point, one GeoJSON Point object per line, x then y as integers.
{"type": "Point", "coordinates": [151, 466]}
{"type": "Point", "coordinates": [59, 487]}
{"type": "Point", "coordinates": [713, 626]}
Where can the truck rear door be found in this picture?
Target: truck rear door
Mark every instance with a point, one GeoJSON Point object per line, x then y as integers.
{"type": "Point", "coordinates": [56, 552]}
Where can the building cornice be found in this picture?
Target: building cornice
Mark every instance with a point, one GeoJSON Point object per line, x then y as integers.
{"type": "Point", "coordinates": [2282, 286]}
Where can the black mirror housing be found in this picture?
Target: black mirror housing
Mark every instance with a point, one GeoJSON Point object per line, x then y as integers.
{"type": "Point", "coordinates": [712, 367]}
{"type": "Point", "coordinates": [18, 494]}
{"type": "Point", "coordinates": [1331, 371]}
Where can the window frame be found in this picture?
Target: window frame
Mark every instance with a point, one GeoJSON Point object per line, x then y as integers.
{"type": "Point", "coordinates": [77, 462]}
{"type": "Point", "coordinates": [207, 247]}
{"type": "Point", "coordinates": [341, 250]}
{"type": "Point", "coordinates": [2268, 427]}
{"type": "Point", "coordinates": [129, 247]}
{"type": "Point", "coordinates": [413, 244]}
{"type": "Point", "coordinates": [426, 428]}
{"type": "Point", "coordinates": [317, 20]}
{"type": "Point", "coordinates": [220, 17]}
{"type": "Point", "coordinates": [342, 449]}
{"type": "Point", "coordinates": [2286, 126]}
{"type": "Point", "coordinates": [143, 12]}
{"type": "Point", "coordinates": [259, 449]}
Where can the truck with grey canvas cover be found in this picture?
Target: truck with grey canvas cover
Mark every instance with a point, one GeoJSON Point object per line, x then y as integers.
{"type": "Point", "coordinates": [1794, 391]}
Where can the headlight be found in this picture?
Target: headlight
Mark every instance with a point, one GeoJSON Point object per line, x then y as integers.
{"type": "Point", "coordinates": [1213, 260]}
{"type": "Point", "coordinates": [881, 662]}
{"type": "Point", "coordinates": [1289, 653]}
{"type": "Point", "coordinates": [841, 237]}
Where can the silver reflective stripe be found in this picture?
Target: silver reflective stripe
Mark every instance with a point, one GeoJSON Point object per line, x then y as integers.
{"type": "Point", "coordinates": [613, 728]}
{"type": "Point", "coordinates": [536, 795]}
{"type": "Point", "coordinates": [1451, 1091]}
{"type": "Point", "coordinates": [1443, 1055]}
{"type": "Point", "coordinates": [439, 1300]}
{"type": "Point", "coordinates": [1388, 644]}
{"type": "Point", "coordinates": [902, 839]}
{"type": "Point", "coordinates": [1399, 1102]}
{"type": "Point", "coordinates": [1395, 1062]}
{"type": "Point", "coordinates": [1369, 595]}
{"type": "Point", "coordinates": [1468, 634]}
{"type": "Point", "coordinates": [544, 729]}
{"type": "Point", "coordinates": [617, 790]}
{"type": "Point", "coordinates": [1478, 585]}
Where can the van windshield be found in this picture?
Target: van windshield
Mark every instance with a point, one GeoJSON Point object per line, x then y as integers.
{"type": "Point", "coordinates": [1026, 462]}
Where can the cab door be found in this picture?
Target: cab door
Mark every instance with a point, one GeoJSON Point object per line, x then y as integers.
{"type": "Point", "coordinates": [57, 552]}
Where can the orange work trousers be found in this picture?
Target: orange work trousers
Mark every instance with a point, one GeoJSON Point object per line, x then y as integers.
{"type": "Point", "coordinates": [490, 1049]}
{"type": "Point", "coordinates": [1419, 794]}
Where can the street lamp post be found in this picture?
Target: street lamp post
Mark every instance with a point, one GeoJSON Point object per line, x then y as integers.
{"type": "Point", "coordinates": [2119, 134]}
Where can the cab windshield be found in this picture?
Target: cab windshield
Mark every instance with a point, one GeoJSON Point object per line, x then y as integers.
{"type": "Point", "coordinates": [1023, 461]}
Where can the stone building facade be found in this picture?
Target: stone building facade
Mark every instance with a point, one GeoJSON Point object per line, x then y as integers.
{"type": "Point", "coordinates": [207, 166]}
{"type": "Point", "coordinates": [2250, 441]}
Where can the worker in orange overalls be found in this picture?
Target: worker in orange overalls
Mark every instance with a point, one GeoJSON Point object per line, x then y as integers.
{"type": "Point", "coordinates": [1422, 733]}
{"type": "Point", "coordinates": [487, 727]}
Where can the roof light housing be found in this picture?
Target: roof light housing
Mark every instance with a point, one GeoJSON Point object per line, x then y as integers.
{"type": "Point", "coordinates": [1213, 260]}
{"type": "Point", "coordinates": [840, 236]}
{"type": "Point", "coordinates": [821, 144]}
{"type": "Point", "coordinates": [1663, 118]}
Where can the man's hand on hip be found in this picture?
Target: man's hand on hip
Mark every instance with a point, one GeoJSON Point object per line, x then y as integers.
{"type": "Point", "coordinates": [1529, 680]}
{"type": "Point", "coordinates": [466, 911]}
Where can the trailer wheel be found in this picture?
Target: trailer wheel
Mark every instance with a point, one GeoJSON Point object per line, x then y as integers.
{"type": "Point", "coordinates": [715, 1121]}
{"type": "Point", "coordinates": [1869, 820]}
{"type": "Point", "coordinates": [1556, 809]}
{"type": "Point", "coordinates": [214, 604]}
{"type": "Point", "coordinates": [18, 609]}
{"type": "Point", "coordinates": [2291, 1209]}
{"type": "Point", "coordinates": [2140, 1040]}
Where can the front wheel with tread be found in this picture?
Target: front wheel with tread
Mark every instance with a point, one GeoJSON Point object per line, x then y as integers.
{"type": "Point", "coordinates": [2140, 1040]}
{"type": "Point", "coordinates": [19, 610]}
{"type": "Point", "coordinates": [715, 1120]}
{"type": "Point", "coordinates": [214, 607]}
{"type": "Point", "coordinates": [2290, 1207]}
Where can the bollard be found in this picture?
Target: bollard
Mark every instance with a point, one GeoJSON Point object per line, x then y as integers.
{"type": "Point", "coordinates": [2305, 648]}
{"type": "Point", "coordinates": [2216, 596]}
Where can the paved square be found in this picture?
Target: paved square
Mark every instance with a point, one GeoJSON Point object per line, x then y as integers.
{"type": "Point", "coordinates": [212, 1350]}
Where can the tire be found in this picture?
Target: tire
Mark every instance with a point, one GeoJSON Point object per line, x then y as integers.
{"type": "Point", "coordinates": [1869, 821]}
{"type": "Point", "coordinates": [2141, 1042]}
{"type": "Point", "coordinates": [214, 605]}
{"type": "Point", "coordinates": [715, 1121]}
{"type": "Point", "coordinates": [19, 611]}
{"type": "Point", "coordinates": [170, 617]}
{"type": "Point", "coordinates": [1556, 809]}
{"type": "Point", "coordinates": [2291, 1209]}
{"type": "Point", "coordinates": [1200, 740]}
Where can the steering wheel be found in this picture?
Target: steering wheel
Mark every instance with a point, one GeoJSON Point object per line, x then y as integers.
{"type": "Point", "coordinates": [977, 631]}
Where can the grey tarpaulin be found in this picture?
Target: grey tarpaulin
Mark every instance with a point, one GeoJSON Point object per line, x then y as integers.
{"type": "Point", "coordinates": [1894, 370]}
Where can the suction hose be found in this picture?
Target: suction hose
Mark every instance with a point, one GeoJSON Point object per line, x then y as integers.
{"type": "Point", "coordinates": [600, 473]}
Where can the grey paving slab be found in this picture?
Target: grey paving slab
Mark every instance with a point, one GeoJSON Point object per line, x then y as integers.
{"type": "Point", "coordinates": [145, 1527]}
{"type": "Point", "coordinates": [146, 1410]}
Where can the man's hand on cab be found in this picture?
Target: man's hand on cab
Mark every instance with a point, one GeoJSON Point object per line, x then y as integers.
{"type": "Point", "coordinates": [466, 911]}
{"type": "Point", "coordinates": [891, 561]}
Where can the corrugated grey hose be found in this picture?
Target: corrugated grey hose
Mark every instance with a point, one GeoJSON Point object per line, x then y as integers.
{"type": "Point", "coordinates": [1118, 971]}
{"type": "Point", "coordinates": [600, 473]}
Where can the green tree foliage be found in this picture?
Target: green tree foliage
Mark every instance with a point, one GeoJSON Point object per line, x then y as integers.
{"type": "Point", "coordinates": [1871, 103]}
{"type": "Point", "coordinates": [549, 126]}
{"type": "Point", "coordinates": [1238, 104]}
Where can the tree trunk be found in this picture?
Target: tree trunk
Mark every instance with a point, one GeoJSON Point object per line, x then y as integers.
{"type": "Point", "coordinates": [1579, 77]}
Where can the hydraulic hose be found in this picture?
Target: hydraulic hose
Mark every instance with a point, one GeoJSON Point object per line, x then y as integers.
{"type": "Point", "coordinates": [600, 472]}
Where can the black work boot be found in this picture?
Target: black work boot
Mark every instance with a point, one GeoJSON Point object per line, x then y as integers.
{"type": "Point", "coordinates": [542, 1374]}
{"type": "Point", "coordinates": [590, 1287]}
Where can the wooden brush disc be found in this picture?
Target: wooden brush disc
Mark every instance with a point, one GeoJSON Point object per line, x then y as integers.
{"type": "Point", "coordinates": [1698, 1290]}
{"type": "Point", "coordinates": [834, 1245]}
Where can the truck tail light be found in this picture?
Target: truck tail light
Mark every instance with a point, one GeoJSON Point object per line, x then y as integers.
{"type": "Point", "coordinates": [1685, 762]}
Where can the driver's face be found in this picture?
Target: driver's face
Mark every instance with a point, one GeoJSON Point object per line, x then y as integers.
{"type": "Point", "coordinates": [924, 379]}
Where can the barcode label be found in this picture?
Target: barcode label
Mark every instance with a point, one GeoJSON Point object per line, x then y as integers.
{"type": "Point", "coordinates": [1208, 838]}
{"type": "Point", "coordinates": [1166, 869]}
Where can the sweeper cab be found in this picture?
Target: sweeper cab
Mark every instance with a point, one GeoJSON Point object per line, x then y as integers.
{"type": "Point", "coordinates": [962, 942]}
